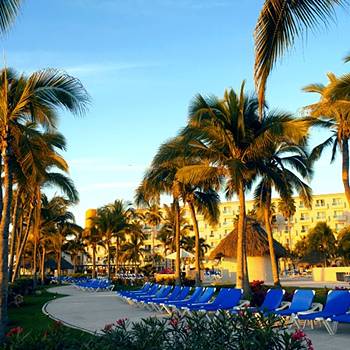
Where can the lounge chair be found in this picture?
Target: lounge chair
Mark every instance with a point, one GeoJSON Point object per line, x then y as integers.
{"type": "Point", "coordinates": [302, 301]}
{"type": "Point", "coordinates": [227, 298]}
{"type": "Point", "coordinates": [170, 306]}
{"type": "Point", "coordinates": [151, 291]}
{"type": "Point", "coordinates": [272, 301]}
{"type": "Point", "coordinates": [345, 318]}
{"type": "Point", "coordinates": [145, 288]}
{"type": "Point", "coordinates": [162, 292]}
{"type": "Point", "coordinates": [337, 303]}
{"type": "Point", "coordinates": [172, 296]}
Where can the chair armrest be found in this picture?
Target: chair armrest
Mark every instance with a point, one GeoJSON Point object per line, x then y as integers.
{"type": "Point", "coordinates": [284, 305]}
{"type": "Point", "coordinates": [242, 304]}
{"type": "Point", "coordinates": [316, 307]}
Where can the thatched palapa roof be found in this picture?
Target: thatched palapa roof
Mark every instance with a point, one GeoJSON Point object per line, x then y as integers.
{"type": "Point", "coordinates": [257, 243]}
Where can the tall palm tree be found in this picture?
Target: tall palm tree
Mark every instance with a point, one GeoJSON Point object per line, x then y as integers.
{"type": "Point", "coordinates": [93, 238]}
{"type": "Point", "coordinates": [333, 111]}
{"type": "Point", "coordinates": [153, 217]}
{"type": "Point", "coordinates": [37, 97]}
{"type": "Point", "coordinates": [279, 168]}
{"type": "Point", "coordinates": [229, 134]}
{"type": "Point", "coordinates": [280, 22]}
{"type": "Point", "coordinates": [287, 208]}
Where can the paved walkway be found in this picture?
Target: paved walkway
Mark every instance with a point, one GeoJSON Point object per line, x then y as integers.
{"type": "Point", "coordinates": [92, 311]}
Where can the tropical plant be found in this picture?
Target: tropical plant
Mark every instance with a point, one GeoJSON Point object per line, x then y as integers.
{"type": "Point", "coordinates": [153, 217]}
{"type": "Point", "coordinates": [344, 245]}
{"type": "Point", "coordinates": [332, 111]}
{"type": "Point", "coordinates": [280, 166]}
{"type": "Point", "coordinates": [93, 238]}
{"type": "Point", "coordinates": [34, 98]}
{"type": "Point", "coordinates": [280, 22]}
{"type": "Point", "coordinates": [230, 139]}
{"type": "Point", "coordinates": [321, 243]}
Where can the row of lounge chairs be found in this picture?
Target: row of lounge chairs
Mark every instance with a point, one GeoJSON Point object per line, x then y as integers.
{"type": "Point", "coordinates": [300, 311]}
{"type": "Point", "coordinates": [95, 285]}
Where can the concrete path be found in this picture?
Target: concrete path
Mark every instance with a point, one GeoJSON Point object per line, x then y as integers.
{"type": "Point", "coordinates": [92, 311]}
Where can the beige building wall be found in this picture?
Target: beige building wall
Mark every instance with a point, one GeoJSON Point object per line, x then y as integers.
{"type": "Point", "coordinates": [331, 208]}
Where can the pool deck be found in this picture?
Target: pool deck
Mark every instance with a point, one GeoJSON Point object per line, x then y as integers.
{"type": "Point", "coordinates": [92, 311]}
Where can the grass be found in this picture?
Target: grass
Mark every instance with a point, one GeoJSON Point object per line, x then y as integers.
{"type": "Point", "coordinates": [30, 317]}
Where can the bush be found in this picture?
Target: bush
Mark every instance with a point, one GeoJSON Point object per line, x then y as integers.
{"type": "Point", "coordinates": [224, 331]}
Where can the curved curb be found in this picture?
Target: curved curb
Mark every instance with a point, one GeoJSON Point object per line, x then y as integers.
{"type": "Point", "coordinates": [45, 312]}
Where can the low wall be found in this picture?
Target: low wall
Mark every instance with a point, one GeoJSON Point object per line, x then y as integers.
{"type": "Point", "coordinates": [329, 274]}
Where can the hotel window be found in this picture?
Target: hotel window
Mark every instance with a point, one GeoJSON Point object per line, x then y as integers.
{"type": "Point", "coordinates": [301, 204]}
{"type": "Point", "coordinates": [212, 244]}
{"type": "Point", "coordinates": [338, 214]}
{"type": "Point", "coordinates": [304, 217]}
{"type": "Point", "coordinates": [225, 210]}
{"type": "Point", "coordinates": [286, 229]}
{"type": "Point", "coordinates": [225, 232]}
{"type": "Point", "coordinates": [225, 222]}
{"type": "Point", "coordinates": [211, 233]}
{"type": "Point", "coordinates": [321, 215]}
{"type": "Point", "coordinates": [337, 201]}
{"type": "Point", "coordinates": [304, 228]}
{"type": "Point", "coordinates": [339, 226]}
{"type": "Point", "coordinates": [320, 203]}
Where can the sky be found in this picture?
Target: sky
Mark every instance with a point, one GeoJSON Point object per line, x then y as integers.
{"type": "Point", "coordinates": [142, 61]}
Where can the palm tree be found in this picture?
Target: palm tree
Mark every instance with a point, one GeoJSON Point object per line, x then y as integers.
{"type": "Point", "coordinates": [93, 238]}
{"type": "Point", "coordinates": [334, 104]}
{"type": "Point", "coordinates": [8, 12]}
{"type": "Point", "coordinates": [230, 136]}
{"type": "Point", "coordinates": [133, 249]}
{"type": "Point", "coordinates": [280, 22]}
{"type": "Point", "coordinates": [75, 247]}
{"type": "Point", "coordinates": [287, 208]}
{"type": "Point", "coordinates": [189, 244]}
{"type": "Point", "coordinates": [25, 99]}
{"type": "Point", "coordinates": [153, 217]}
{"type": "Point", "coordinates": [276, 174]}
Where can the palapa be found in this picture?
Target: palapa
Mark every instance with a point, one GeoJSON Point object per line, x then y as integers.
{"type": "Point", "coordinates": [257, 243]}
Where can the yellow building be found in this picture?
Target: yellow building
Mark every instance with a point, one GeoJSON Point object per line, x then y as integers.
{"type": "Point", "coordinates": [331, 208]}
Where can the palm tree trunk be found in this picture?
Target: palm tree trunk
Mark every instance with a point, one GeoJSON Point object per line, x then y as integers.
{"type": "Point", "coordinates": [35, 261]}
{"type": "Point", "coordinates": [93, 262]}
{"type": "Point", "coordinates": [197, 243]}
{"type": "Point", "coordinates": [267, 219]}
{"type": "Point", "coordinates": [241, 275]}
{"type": "Point", "coordinates": [22, 245]}
{"type": "Point", "coordinates": [177, 242]}
{"type": "Point", "coordinates": [108, 260]}
{"type": "Point", "coordinates": [42, 267]}
{"type": "Point", "coordinates": [4, 232]}
{"type": "Point", "coordinates": [14, 235]}
{"type": "Point", "coordinates": [345, 168]}
{"type": "Point", "coordinates": [117, 256]}
{"type": "Point", "coordinates": [59, 258]}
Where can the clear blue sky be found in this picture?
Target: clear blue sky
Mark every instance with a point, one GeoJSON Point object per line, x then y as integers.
{"type": "Point", "coordinates": [142, 61]}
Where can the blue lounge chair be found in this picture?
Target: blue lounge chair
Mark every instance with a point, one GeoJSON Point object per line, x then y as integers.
{"type": "Point", "coordinates": [302, 301]}
{"type": "Point", "coordinates": [227, 298]}
{"type": "Point", "coordinates": [144, 289]}
{"type": "Point", "coordinates": [345, 318]}
{"type": "Point", "coordinates": [162, 292]}
{"type": "Point", "coordinates": [152, 291]}
{"type": "Point", "coordinates": [337, 303]}
{"type": "Point", "coordinates": [272, 301]}
{"type": "Point", "coordinates": [202, 299]}
{"type": "Point", "coordinates": [153, 304]}
{"type": "Point", "coordinates": [169, 306]}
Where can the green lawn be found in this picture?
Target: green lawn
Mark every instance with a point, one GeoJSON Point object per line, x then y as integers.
{"type": "Point", "coordinates": [30, 317]}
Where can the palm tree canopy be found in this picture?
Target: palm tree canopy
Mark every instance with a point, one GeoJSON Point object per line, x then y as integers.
{"type": "Point", "coordinates": [8, 12]}
{"type": "Point", "coordinates": [280, 22]}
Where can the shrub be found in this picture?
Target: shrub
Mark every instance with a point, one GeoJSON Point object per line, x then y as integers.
{"type": "Point", "coordinates": [224, 331]}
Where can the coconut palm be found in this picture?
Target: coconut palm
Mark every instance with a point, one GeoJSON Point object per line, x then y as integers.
{"type": "Point", "coordinates": [280, 166]}
{"type": "Point", "coordinates": [153, 217]}
{"type": "Point", "coordinates": [8, 12]}
{"type": "Point", "coordinates": [333, 111]}
{"type": "Point", "coordinates": [75, 247]}
{"type": "Point", "coordinates": [279, 24]}
{"type": "Point", "coordinates": [230, 136]}
{"type": "Point", "coordinates": [23, 99]}
{"type": "Point", "coordinates": [93, 238]}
